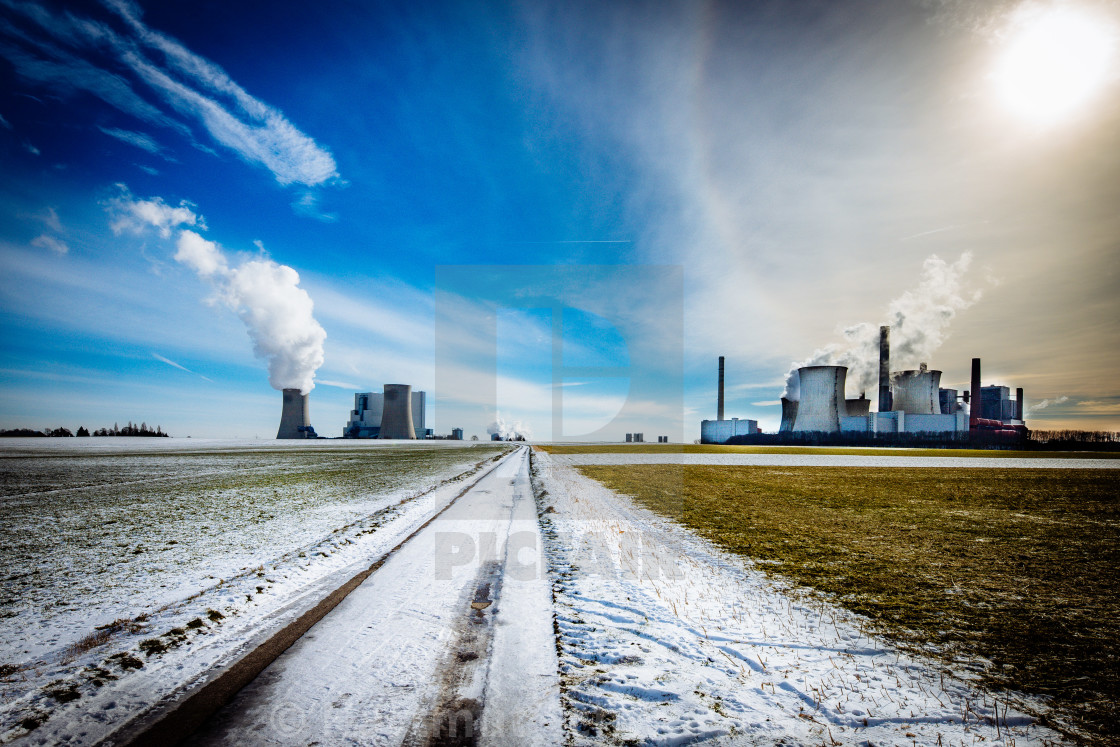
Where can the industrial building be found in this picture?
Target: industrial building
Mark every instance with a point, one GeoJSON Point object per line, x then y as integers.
{"type": "Point", "coordinates": [911, 401]}
{"type": "Point", "coordinates": [718, 431]}
{"type": "Point", "coordinates": [397, 412]}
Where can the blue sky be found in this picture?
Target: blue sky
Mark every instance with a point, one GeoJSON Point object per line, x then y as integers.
{"type": "Point", "coordinates": [805, 169]}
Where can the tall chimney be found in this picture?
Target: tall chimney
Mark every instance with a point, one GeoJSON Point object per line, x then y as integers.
{"type": "Point", "coordinates": [975, 409]}
{"type": "Point", "coordinates": [719, 396]}
{"type": "Point", "coordinates": [1019, 410]}
{"type": "Point", "coordinates": [884, 369]}
{"type": "Point", "coordinates": [295, 415]}
{"type": "Point", "coordinates": [396, 418]}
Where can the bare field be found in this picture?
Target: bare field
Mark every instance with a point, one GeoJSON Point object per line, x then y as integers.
{"type": "Point", "coordinates": [644, 448]}
{"type": "Point", "coordinates": [1010, 571]}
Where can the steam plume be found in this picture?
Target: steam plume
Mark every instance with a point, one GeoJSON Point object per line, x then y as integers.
{"type": "Point", "coordinates": [264, 294]}
{"type": "Point", "coordinates": [268, 299]}
{"type": "Point", "coordinates": [509, 431]}
{"type": "Point", "coordinates": [919, 321]}
{"type": "Point", "coordinates": [1046, 403]}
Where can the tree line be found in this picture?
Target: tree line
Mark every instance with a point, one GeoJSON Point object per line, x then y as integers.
{"type": "Point", "coordinates": [141, 430]}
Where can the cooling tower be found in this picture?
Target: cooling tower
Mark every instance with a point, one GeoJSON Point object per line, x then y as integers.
{"type": "Point", "coordinates": [719, 396]}
{"type": "Point", "coordinates": [884, 369]}
{"type": "Point", "coordinates": [822, 398]}
{"type": "Point", "coordinates": [789, 415]}
{"type": "Point", "coordinates": [294, 416]}
{"type": "Point", "coordinates": [917, 392]}
{"type": "Point", "coordinates": [396, 418]}
{"type": "Point", "coordinates": [858, 407]}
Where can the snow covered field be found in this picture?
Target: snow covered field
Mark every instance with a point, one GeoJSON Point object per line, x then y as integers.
{"type": "Point", "coordinates": [144, 545]}
{"type": "Point", "coordinates": [650, 635]}
{"type": "Point", "coordinates": [665, 639]}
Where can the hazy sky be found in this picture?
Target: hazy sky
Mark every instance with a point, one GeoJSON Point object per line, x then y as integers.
{"type": "Point", "coordinates": [200, 201]}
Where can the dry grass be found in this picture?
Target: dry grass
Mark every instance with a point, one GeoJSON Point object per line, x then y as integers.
{"type": "Point", "coordinates": [644, 448]}
{"type": "Point", "coordinates": [1016, 567]}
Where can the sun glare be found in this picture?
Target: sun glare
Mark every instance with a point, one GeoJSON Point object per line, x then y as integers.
{"type": "Point", "coordinates": [1054, 63]}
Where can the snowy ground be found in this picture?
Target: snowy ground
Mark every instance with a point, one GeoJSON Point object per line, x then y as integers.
{"type": "Point", "coordinates": [191, 547]}
{"type": "Point", "coordinates": [666, 640]}
{"type": "Point", "coordinates": [833, 460]}
{"type": "Point", "coordinates": [450, 640]}
{"type": "Point", "coordinates": [520, 612]}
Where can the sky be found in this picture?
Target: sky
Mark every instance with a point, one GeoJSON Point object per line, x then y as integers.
{"type": "Point", "coordinates": [551, 217]}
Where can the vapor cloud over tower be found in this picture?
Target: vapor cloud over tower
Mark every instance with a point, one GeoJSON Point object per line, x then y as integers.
{"type": "Point", "coordinates": [919, 323]}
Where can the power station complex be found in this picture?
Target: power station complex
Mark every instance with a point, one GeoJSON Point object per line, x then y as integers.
{"type": "Point", "coordinates": [398, 412]}
{"type": "Point", "coordinates": [910, 402]}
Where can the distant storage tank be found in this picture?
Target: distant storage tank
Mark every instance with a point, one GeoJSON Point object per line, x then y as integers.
{"type": "Point", "coordinates": [295, 418]}
{"type": "Point", "coordinates": [822, 398]}
{"type": "Point", "coordinates": [917, 392]}
{"type": "Point", "coordinates": [789, 415]}
{"type": "Point", "coordinates": [396, 418]}
{"type": "Point", "coordinates": [858, 407]}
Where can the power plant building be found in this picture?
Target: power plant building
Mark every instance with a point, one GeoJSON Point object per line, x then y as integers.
{"type": "Point", "coordinates": [718, 431]}
{"type": "Point", "coordinates": [910, 401]}
{"type": "Point", "coordinates": [367, 419]}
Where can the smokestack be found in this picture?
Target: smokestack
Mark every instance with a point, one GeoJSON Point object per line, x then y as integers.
{"type": "Point", "coordinates": [294, 416]}
{"type": "Point", "coordinates": [396, 418]}
{"type": "Point", "coordinates": [884, 369]}
{"type": "Point", "coordinates": [974, 408]}
{"type": "Point", "coordinates": [1019, 403]}
{"type": "Point", "coordinates": [719, 396]}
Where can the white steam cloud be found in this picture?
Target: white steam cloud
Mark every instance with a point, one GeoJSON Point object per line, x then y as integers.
{"type": "Point", "coordinates": [919, 320]}
{"type": "Point", "coordinates": [509, 431]}
{"type": "Point", "coordinates": [266, 295]}
{"type": "Point", "coordinates": [1046, 403]}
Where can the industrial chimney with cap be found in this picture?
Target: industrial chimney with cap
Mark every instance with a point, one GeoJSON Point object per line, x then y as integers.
{"type": "Point", "coordinates": [884, 369]}
{"type": "Point", "coordinates": [719, 396]}
{"type": "Point", "coordinates": [295, 418]}
{"type": "Point", "coordinates": [396, 418]}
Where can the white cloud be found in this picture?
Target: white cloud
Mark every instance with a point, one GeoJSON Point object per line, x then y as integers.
{"type": "Point", "coordinates": [196, 89]}
{"type": "Point", "coordinates": [201, 255]}
{"type": "Point", "coordinates": [134, 215]}
{"type": "Point", "coordinates": [46, 241]}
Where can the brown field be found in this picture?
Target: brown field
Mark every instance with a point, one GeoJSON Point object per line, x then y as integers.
{"type": "Point", "coordinates": [1014, 571]}
{"type": "Point", "coordinates": [654, 448]}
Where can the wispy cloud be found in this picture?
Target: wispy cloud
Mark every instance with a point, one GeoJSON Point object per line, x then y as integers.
{"type": "Point", "coordinates": [137, 139]}
{"type": "Point", "coordinates": [170, 362]}
{"type": "Point", "coordinates": [5, 123]}
{"type": "Point", "coordinates": [45, 241]}
{"type": "Point", "coordinates": [340, 384]}
{"type": "Point", "coordinates": [66, 53]}
{"type": "Point", "coordinates": [307, 205]}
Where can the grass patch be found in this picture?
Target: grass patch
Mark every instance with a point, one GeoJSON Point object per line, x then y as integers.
{"type": "Point", "coordinates": [817, 450]}
{"type": "Point", "coordinates": [1014, 566]}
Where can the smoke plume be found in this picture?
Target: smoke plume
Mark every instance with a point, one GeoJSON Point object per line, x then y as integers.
{"type": "Point", "coordinates": [509, 431]}
{"type": "Point", "coordinates": [268, 299]}
{"type": "Point", "coordinates": [919, 320]}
